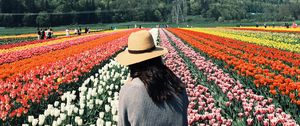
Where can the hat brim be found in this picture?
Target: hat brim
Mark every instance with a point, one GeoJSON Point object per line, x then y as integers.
{"type": "Point", "coordinates": [125, 58]}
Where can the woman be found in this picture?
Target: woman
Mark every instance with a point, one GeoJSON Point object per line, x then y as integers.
{"type": "Point", "coordinates": [154, 96]}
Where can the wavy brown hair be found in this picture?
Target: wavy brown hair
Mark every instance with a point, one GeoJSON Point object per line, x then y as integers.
{"type": "Point", "coordinates": [161, 83]}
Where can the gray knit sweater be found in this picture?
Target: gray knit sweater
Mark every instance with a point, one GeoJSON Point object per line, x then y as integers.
{"type": "Point", "coordinates": [136, 108]}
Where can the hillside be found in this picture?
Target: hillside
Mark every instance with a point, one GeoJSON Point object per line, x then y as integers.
{"type": "Point", "coordinates": [65, 12]}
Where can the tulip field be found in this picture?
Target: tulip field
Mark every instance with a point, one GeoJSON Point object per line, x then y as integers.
{"type": "Point", "coordinates": [233, 77]}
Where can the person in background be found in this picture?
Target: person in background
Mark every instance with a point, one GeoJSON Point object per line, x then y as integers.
{"type": "Point", "coordinates": [50, 33]}
{"type": "Point", "coordinates": [287, 25]}
{"type": "Point", "coordinates": [265, 25]}
{"type": "Point", "coordinates": [45, 33]}
{"type": "Point", "coordinates": [79, 31]}
{"type": "Point", "coordinates": [154, 95]}
{"type": "Point", "coordinates": [89, 30]}
{"type": "Point", "coordinates": [85, 30]}
{"type": "Point", "coordinates": [39, 33]}
{"type": "Point", "coordinates": [67, 32]}
{"type": "Point", "coordinates": [294, 25]}
{"type": "Point", "coordinates": [42, 34]}
{"type": "Point", "coordinates": [76, 31]}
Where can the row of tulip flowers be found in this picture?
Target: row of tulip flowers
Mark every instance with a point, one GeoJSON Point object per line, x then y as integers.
{"type": "Point", "coordinates": [266, 71]}
{"type": "Point", "coordinates": [64, 43]}
{"type": "Point", "coordinates": [26, 83]}
{"type": "Point", "coordinates": [292, 47]}
{"type": "Point", "coordinates": [98, 97]}
{"type": "Point", "coordinates": [276, 30]}
{"type": "Point", "coordinates": [282, 37]}
{"type": "Point", "coordinates": [95, 102]}
{"type": "Point", "coordinates": [242, 105]}
{"type": "Point", "coordinates": [215, 97]}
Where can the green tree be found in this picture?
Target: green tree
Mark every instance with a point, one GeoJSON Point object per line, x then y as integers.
{"type": "Point", "coordinates": [43, 19]}
{"type": "Point", "coordinates": [29, 20]}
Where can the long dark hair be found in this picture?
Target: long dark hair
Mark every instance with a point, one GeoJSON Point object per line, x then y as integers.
{"type": "Point", "coordinates": [161, 83]}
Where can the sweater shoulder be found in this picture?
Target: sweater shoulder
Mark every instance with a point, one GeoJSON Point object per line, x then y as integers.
{"type": "Point", "coordinates": [134, 88]}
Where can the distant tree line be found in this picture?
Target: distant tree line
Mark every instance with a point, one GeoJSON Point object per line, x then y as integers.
{"type": "Point", "coordinates": [63, 12]}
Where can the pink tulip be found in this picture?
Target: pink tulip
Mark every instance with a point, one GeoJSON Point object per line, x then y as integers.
{"type": "Point", "coordinates": [259, 117]}
{"type": "Point", "coordinates": [249, 121]}
{"type": "Point", "coordinates": [266, 122]}
{"type": "Point", "coordinates": [234, 90]}
{"type": "Point", "coordinates": [240, 115]}
{"type": "Point", "coordinates": [274, 121]}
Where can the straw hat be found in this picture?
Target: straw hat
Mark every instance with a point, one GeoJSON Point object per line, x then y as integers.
{"type": "Point", "coordinates": [141, 47]}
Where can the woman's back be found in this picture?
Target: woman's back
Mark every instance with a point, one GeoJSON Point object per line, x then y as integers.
{"type": "Point", "coordinates": [136, 108]}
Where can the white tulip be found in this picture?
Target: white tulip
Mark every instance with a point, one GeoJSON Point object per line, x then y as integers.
{"type": "Point", "coordinates": [122, 81]}
{"type": "Point", "coordinates": [50, 106]}
{"type": "Point", "coordinates": [94, 92]}
{"type": "Point", "coordinates": [109, 100]}
{"type": "Point", "coordinates": [41, 119]}
{"type": "Point", "coordinates": [58, 121]}
{"type": "Point", "coordinates": [56, 103]}
{"type": "Point", "coordinates": [107, 108]}
{"type": "Point", "coordinates": [92, 78]}
{"type": "Point", "coordinates": [69, 112]}
{"type": "Point", "coordinates": [101, 115]}
{"type": "Point", "coordinates": [100, 102]}
{"type": "Point", "coordinates": [30, 118]}
{"type": "Point", "coordinates": [91, 106]}
{"type": "Point", "coordinates": [116, 87]}
{"type": "Point", "coordinates": [113, 111]}
{"type": "Point", "coordinates": [47, 112]}
{"type": "Point", "coordinates": [100, 122]}
{"type": "Point", "coordinates": [25, 125]}
{"type": "Point", "coordinates": [92, 125]}
{"type": "Point", "coordinates": [115, 118]}
{"type": "Point", "coordinates": [104, 78]}
{"type": "Point", "coordinates": [100, 90]}
{"type": "Point", "coordinates": [52, 112]}
{"type": "Point", "coordinates": [76, 119]}
{"type": "Point", "coordinates": [107, 123]}
{"type": "Point", "coordinates": [73, 97]}
{"type": "Point", "coordinates": [116, 94]}
{"type": "Point", "coordinates": [88, 80]}
{"type": "Point", "coordinates": [62, 105]}
{"type": "Point", "coordinates": [34, 122]}
{"type": "Point", "coordinates": [88, 97]}
{"type": "Point", "coordinates": [81, 111]}
{"type": "Point", "coordinates": [63, 116]}
{"type": "Point", "coordinates": [79, 122]}
{"type": "Point", "coordinates": [83, 89]}
{"type": "Point", "coordinates": [69, 125]}
{"type": "Point", "coordinates": [111, 87]}
{"type": "Point", "coordinates": [54, 123]}
{"type": "Point", "coordinates": [109, 93]}
{"type": "Point", "coordinates": [56, 113]}
{"type": "Point", "coordinates": [75, 110]}
{"type": "Point", "coordinates": [82, 105]}
{"type": "Point", "coordinates": [83, 98]}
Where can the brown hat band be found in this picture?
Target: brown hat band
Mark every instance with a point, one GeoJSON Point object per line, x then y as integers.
{"type": "Point", "coordinates": [141, 51]}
